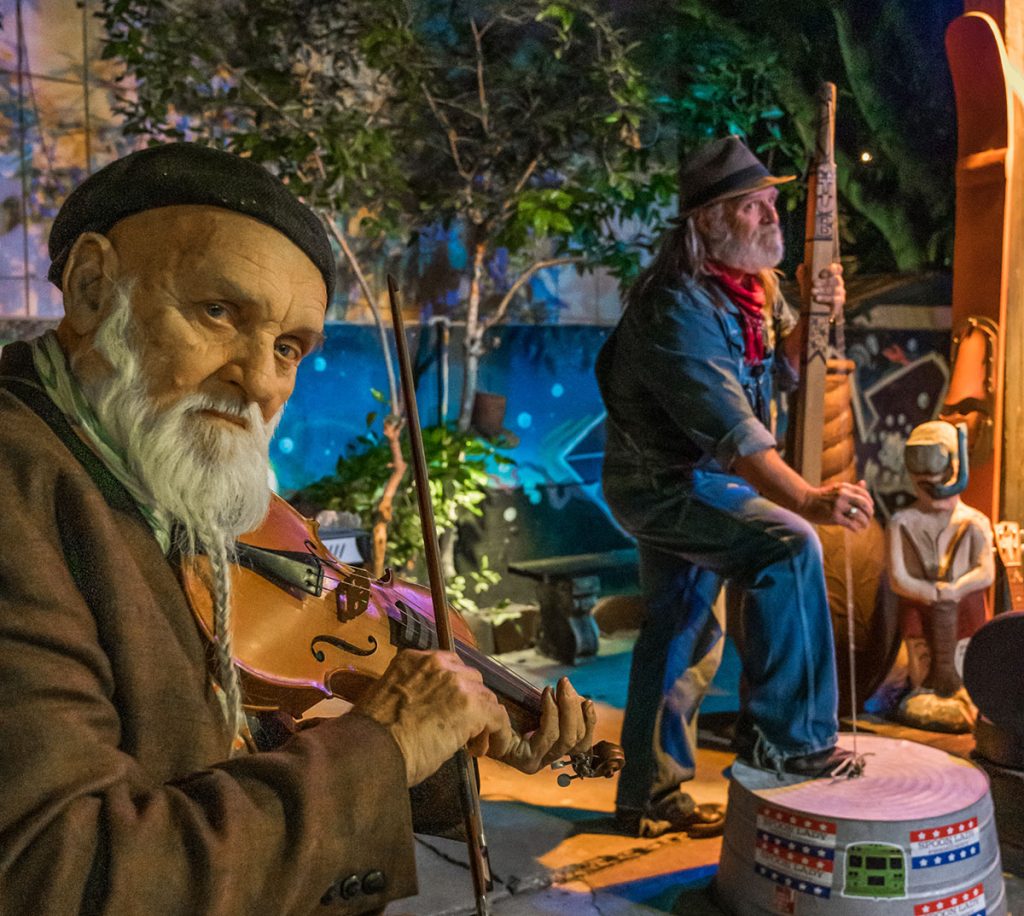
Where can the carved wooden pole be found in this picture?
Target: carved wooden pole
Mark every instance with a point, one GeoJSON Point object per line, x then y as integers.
{"type": "Point", "coordinates": [821, 250]}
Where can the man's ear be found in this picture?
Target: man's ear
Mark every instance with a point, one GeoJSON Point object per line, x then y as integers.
{"type": "Point", "coordinates": [87, 280]}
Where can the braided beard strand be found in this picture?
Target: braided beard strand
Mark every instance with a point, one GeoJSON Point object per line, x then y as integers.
{"type": "Point", "coordinates": [211, 478]}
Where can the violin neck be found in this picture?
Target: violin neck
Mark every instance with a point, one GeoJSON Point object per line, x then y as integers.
{"type": "Point", "coordinates": [521, 698]}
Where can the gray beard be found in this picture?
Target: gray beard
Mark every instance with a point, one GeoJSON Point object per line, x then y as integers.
{"type": "Point", "coordinates": [210, 477]}
{"type": "Point", "coordinates": [760, 250]}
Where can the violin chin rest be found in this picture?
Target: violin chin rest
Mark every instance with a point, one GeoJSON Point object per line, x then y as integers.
{"type": "Point", "coordinates": [349, 685]}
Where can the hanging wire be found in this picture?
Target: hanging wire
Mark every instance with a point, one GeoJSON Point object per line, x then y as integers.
{"type": "Point", "coordinates": [49, 152]}
{"type": "Point", "coordinates": [25, 100]}
{"type": "Point", "coordinates": [851, 633]}
{"type": "Point", "coordinates": [852, 767]}
{"type": "Point", "coordinates": [23, 157]}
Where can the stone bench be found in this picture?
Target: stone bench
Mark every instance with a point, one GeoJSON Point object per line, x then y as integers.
{"type": "Point", "coordinates": [567, 590]}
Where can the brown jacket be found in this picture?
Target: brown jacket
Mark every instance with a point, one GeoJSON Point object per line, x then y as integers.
{"type": "Point", "coordinates": [115, 794]}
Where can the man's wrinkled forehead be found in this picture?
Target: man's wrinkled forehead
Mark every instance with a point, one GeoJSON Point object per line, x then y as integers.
{"type": "Point", "coordinates": [766, 195]}
{"type": "Point", "coordinates": [186, 174]}
{"type": "Point", "coordinates": [199, 245]}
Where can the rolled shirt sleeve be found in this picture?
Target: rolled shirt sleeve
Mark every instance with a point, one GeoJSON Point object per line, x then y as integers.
{"type": "Point", "coordinates": [691, 369]}
{"type": "Point", "coordinates": [786, 317]}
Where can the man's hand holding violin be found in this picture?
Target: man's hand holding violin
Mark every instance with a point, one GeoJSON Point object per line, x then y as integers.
{"type": "Point", "coordinates": [433, 704]}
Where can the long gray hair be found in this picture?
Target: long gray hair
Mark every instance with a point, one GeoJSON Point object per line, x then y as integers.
{"type": "Point", "coordinates": [683, 255]}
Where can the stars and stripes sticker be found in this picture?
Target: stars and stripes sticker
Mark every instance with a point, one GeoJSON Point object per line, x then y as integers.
{"type": "Point", "coordinates": [803, 867]}
{"type": "Point", "coordinates": [799, 827]}
{"type": "Point", "coordinates": [969, 902]}
{"type": "Point", "coordinates": [935, 846]}
{"type": "Point", "coordinates": [796, 884]}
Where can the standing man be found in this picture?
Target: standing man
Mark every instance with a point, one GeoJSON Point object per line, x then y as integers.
{"type": "Point", "coordinates": [692, 472]}
{"type": "Point", "coordinates": [194, 284]}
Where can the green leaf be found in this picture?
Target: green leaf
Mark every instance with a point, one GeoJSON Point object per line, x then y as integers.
{"type": "Point", "coordinates": [559, 222]}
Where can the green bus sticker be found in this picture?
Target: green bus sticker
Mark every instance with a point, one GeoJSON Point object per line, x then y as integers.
{"type": "Point", "coordinates": [875, 870]}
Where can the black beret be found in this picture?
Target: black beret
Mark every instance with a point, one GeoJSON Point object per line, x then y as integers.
{"type": "Point", "coordinates": [186, 173]}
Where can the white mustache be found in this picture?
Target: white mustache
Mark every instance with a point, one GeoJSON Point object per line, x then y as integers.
{"type": "Point", "coordinates": [247, 412]}
{"type": "Point", "coordinates": [210, 478]}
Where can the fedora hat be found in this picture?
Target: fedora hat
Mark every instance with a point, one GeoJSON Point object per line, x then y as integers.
{"type": "Point", "coordinates": [722, 169]}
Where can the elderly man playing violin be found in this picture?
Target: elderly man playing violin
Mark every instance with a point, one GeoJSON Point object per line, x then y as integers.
{"type": "Point", "coordinates": [194, 284]}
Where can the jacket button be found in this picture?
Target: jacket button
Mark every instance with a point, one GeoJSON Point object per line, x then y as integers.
{"type": "Point", "coordinates": [350, 887]}
{"type": "Point", "coordinates": [374, 882]}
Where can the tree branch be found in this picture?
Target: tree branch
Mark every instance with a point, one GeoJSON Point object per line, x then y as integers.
{"type": "Point", "coordinates": [506, 300]}
{"type": "Point", "coordinates": [465, 109]}
{"type": "Point", "coordinates": [386, 506]}
{"type": "Point", "coordinates": [882, 120]}
{"type": "Point", "coordinates": [481, 88]}
{"type": "Point", "coordinates": [886, 216]}
{"type": "Point", "coordinates": [521, 183]}
{"type": "Point", "coordinates": [453, 137]}
{"type": "Point", "coordinates": [372, 302]}
{"type": "Point", "coordinates": [271, 104]}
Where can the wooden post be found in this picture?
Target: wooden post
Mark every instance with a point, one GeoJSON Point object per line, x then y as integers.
{"type": "Point", "coordinates": [983, 250]}
{"type": "Point", "coordinates": [820, 251]}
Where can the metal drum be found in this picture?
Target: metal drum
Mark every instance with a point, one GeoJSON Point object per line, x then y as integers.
{"type": "Point", "coordinates": [914, 836]}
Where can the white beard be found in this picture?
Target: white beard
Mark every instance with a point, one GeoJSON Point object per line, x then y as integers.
{"type": "Point", "coordinates": [761, 249]}
{"type": "Point", "coordinates": [210, 476]}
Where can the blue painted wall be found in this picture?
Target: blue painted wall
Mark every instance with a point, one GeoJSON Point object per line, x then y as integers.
{"type": "Point", "coordinates": [546, 372]}
{"type": "Point", "coordinates": [550, 502]}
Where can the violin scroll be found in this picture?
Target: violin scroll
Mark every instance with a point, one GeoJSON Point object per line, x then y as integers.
{"type": "Point", "coordinates": [603, 759]}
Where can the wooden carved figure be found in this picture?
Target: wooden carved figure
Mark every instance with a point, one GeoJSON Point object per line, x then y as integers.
{"type": "Point", "coordinates": [940, 556]}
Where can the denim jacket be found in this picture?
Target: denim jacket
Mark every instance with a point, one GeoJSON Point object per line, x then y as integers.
{"type": "Point", "coordinates": [677, 388]}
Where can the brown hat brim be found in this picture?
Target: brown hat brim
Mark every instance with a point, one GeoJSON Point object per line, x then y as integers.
{"type": "Point", "coordinates": [765, 181]}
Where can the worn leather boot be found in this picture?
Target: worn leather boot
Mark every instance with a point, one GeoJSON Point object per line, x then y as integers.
{"type": "Point", "coordinates": [673, 812]}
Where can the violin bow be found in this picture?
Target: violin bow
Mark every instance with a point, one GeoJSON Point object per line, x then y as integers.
{"type": "Point", "coordinates": [469, 798]}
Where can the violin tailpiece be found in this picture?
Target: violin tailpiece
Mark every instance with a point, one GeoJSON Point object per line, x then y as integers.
{"type": "Point", "coordinates": [299, 570]}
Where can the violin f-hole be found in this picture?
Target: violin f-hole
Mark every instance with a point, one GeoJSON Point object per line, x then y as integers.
{"type": "Point", "coordinates": [342, 644]}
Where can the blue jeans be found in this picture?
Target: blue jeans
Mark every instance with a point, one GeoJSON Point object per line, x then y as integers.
{"type": "Point", "coordinates": [690, 540]}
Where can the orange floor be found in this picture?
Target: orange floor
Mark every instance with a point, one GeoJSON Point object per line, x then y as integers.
{"type": "Point", "coordinates": [554, 850]}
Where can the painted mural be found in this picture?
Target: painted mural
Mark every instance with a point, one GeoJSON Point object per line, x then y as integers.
{"type": "Point", "coordinates": [554, 409]}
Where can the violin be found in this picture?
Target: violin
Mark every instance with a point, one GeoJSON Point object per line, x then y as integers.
{"type": "Point", "coordinates": [307, 626]}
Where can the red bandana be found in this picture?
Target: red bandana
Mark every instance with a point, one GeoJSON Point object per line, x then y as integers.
{"type": "Point", "coordinates": [748, 294]}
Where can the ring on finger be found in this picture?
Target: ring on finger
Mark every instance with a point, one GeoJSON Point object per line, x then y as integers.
{"type": "Point", "coordinates": [852, 512]}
